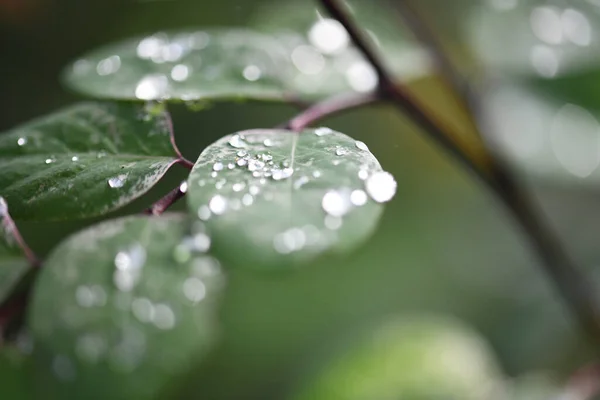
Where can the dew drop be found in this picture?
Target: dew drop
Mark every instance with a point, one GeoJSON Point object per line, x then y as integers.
{"type": "Point", "coordinates": [194, 289]}
{"type": "Point", "coordinates": [254, 190]}
{"type": "Point", "coordinates": [268, 143]}
{"type": "Point", "coordinates": [247, 199]}
{"type": "Point", "coordinates": [242, 162]}
{"type": "Point", "coordinates": [49, 160]}
{"type": "Point", "coordinates": [74, 158]}
{"type": "Point", "coordinates": [323, 131]}
{"type": "Point", "coordinates": [214, 174]}
{"type": "Point", "coordinates": [218, 166]}
{"type": "Point", "coordinates": [303, 180]}
{"type": "Point", "coordinates": [237, 141]}
{"type": "Point", "coordinates": [363, 174]}
{"type": "Point", "coordinates": [242, 153]}
{"type": "Point", "coordinates": [358, 197]}
{"type": "Point", "coordinates": [335, 204]}
{"type": "Point", "coordinates": [21, 141]}
{"type": "Point", "coordinates": [204, 213]}
{"type": "Point", "coordinates": [164, 318]}
{"type": "Point", "coordinates": [255, 165]}
{"type": "Point", "coordinates": [316, 174]}
{"type": "Point", "coordinates": [252, 73]}
{"type": "Point", "coordinates": [361, 145]}
{"type": "Point", "coordinates": [340, 151]}
{"type": "Point", "coordinates": [183, 188]}
{"type": "Point", "coordinates": [238, 187]}
{"type": "Point", "coordinates": [117, 181]}
{"type": "Point", "coordinates": [381, 186]}
{"type": "Point", "coordinates": [218, 204]}
{"type": "Point", "coordinates": [231, 166]}
{"type": "Point", "coordinates": [180, 72]}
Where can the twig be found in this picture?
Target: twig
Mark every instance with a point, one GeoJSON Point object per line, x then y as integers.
{"type": "Point", "coordinates": [10, 229]}
{"type": "Point", "coordinates": [180, 158]}
{"type": "Point", "coordinates": [569, 281]}
{"type": "Point", "coordinates": [330, 107]}
{"type": "Point", "coordinates": [475, 160]}
{"type": "Point", "coordinates": [170, 198]}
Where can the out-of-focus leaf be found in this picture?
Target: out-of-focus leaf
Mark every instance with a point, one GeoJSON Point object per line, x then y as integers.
{"type": "Point", "coordinates": [124, 308]}
{"type": "Point", "coordinates": [84, 160]}
{"type": "Point", "coordinates": [324, 60]}
{"type": "Point", "coordinates": [15, 373]}
{"type": "Point", "coordinates": [194, 65]}
{"type": "Point", "coordinates": [13, 264]}
{"type": "Point", "coordinates": [412, 359]}
{"type": "Point", "coordinates": [544, 137]}
{"type": "Point", "coordinates": [536, 38]}
{"type": "Point", "coordinates": [271, 198]}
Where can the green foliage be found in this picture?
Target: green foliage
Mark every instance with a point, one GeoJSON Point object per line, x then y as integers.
{"type": "Point", "coordinates": [85, 160]}
{"type": "Point", "coordinates": [128, 305]}
{"type": "Point", "coordinates": [272, 198]}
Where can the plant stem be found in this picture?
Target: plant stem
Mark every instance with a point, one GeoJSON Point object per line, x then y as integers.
{"type": "Point", "coordinates": [10, 228]}
{"type": "Point", "coordinates": [568, 279]}
{"type": "Point", "coordinates": [180, 158]}
{"type": "Point", "coordinates": [170, 198]}
{"type": "Point", "coordinates": [330, 107]}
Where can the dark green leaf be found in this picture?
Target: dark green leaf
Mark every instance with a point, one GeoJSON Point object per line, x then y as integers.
{"type": "Point", "coordinates": [412, 359]}
{"type": "Point", "coordinates": [126, 306]}
{"type": "Point", "coordinates": [13, 264]}
{"type": "Point", "coordinates": [190, 65]}
{"type": "Point", "coordinates": [324, 60]}
{"type": "Point", "coordinates": [15, 373]}
{"type": "Point", "coordinates": [85, 160]}
{"type": "Point", "coordinates": [536, 38]}
{"type": "Point", "coordinates": [271, 197]}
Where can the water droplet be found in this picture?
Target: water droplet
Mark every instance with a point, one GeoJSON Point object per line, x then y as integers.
{"type": "Point", "coordinates": [381, 186]}
{"type": "Point", "coordinates": [254, 190]}
{"type": "Point", "coordinates": [280, 174]}
{"type": "Point", "coordinates": [164, 318]}
{"type": "Point", "coordinates": [268, 143]}
{"type": "Point", "coordinates": [335, 203]}
{"type": "Point", "coordinates": [252, 73]}
{"type": "Point", "coordinates": [242, 162]}
{"type": "Point", "coordinates": [194, 289]}
{"type": "Point", "coordinates": [213, 174]}
{"type": "Point", "coordinates": [358, 197]}
{"type": "Point", "coordinates": [340, 151]}
{"type": "Point", "coordinates": [242, 153]}
{"type": "Point", "coordinates": [361, 145]}
{"type": "Point", "coordinates": [129, 263]}
{"type": "Point", "coordinates": [237, 141]}
{"type": "Point", "coordinates": [218, 204]}
{"type": "Point", "coordinates": [74, 158]}
{"type": "Point", "coordinates": [220, 184]}
{"type": "Point", "coordinates": [218, 166]}
{"type": "Point", "coordinates": [316, 174]}
{"type": "Point", "coordinates": [109, 65]}
{"type": "Point", "coordinates": [231, 166]}
{"type": "Point", "coordinates": [21, 141]}
{"type": "Point", "coordinates": [247, 199]}
{"type": "Point", "coordinates": [303, 180]}
{"type": "Point", "coordinates": [49, 160]}
{"type": "Point", "coordinates": [323, 131]}
{"type": "Point", "coordinates": [363, 174]}
{"type": "Point", "coordinates": [63, 368]}
{"type": "Point", "coordinates": [101, 154]}
{"type": "Point", "coordinates": [329, 36]}
{"type": "Point", "coordinates": [183, 188]}
{"type": "Point", "coordinates": [143, 309]}
{"type": "Point", "coordinates": [238, 187]}
{"type": "Point", "coordinates": [180, 72]}
{"type": "Point", "coordinates": [291, 240]}
{"type": "Point", "coordinates": [117, 181]}
{"type": "Point", "coordinates": [255, 165]}
{"type": "Point", "coordinates": [333, 223]}
{"type": "Point", "coordinates": [152, 87]}
{"type": "Point", "coordinates": [204, 213]}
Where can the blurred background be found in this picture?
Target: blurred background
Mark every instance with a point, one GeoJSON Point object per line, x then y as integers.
{"type": "Point", "coordinates": [446, 252]}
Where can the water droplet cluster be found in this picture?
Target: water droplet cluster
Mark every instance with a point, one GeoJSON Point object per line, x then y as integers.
{"type": "Point", "coordinates": [310, 181]}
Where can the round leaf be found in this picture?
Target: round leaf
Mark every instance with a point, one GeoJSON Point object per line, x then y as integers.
{"type": "Point", "coordinates": [412, 359]}
{"type": "Point", "coordinates": [192, 65]}
{"type": "Point", "coordinates": [127, 306]}
{"type": "Point", "coordinates": [274, 197]}
{"type": "Point", "coordinates": [324, 61]}
{"type": "Point", "coordinates": [84, 160]}
{"type": "Point", "coordinates": [537, 38]}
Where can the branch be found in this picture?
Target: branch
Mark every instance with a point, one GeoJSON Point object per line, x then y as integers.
{"type": "Point", "coordinates": [170, 198]}
{"type": "Point", "coordinates": [180, 158]}
{"type": "Point", "coordinates": [570, 282]}
{"type": "Point", "coordinates": [330, 107]}
{"type": "Point", "coordinates": [475, 160]}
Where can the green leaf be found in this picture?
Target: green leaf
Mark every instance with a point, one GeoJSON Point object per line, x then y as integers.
{"type": "Point", "coordinates": [324, 61]}
{"type": "Point", "coordinates": [127, 306]}
{"type": "Point", "coordinates": [193, 65]}
{"type": "Point", "coordinates": [84, 160]}
{"type": "Point", "coordinates": [414, 359]}
{"type": "Point", "coordinates": [13, 264]}
{"type": "Point", "coordinates": [549, 139]}
{"type": "Point", "coordinates": [535, 38]}
{"type": "Point", "coordinates": [274, 197]}
{"type": "Point", "coordinates": [15, 373]}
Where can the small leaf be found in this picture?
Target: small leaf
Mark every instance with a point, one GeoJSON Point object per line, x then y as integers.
{"type": "Point", "coordinates": [271, 197]}
{"type": "Point", "coordinates": [84, 160]}
{"type": "Point", "coordinates": [536, 38]}
{"type": "Point", "coordinates": [13, 263]}
{"type": "Point", "coordinates": [127, 306]}
{"type": "Point", "coordinates": [412, 359]}
{"type": "Point", "coordinates": [193, 65]}
{"type": "Point", "coordinates": [324, 60]}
